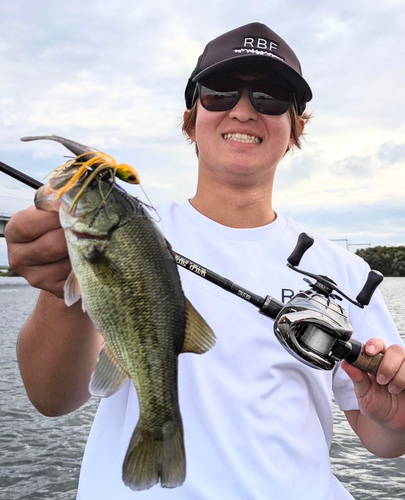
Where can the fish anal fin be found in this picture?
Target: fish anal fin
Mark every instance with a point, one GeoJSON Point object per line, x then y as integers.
{"type": "Point", "coordinates": [108, 375]}
{"type": "Point", "coordinates": [155, 456]}
{"type": "Point", "coordinates": [199, 337]}
{"type": "Point", "coordinates": [71, 290]}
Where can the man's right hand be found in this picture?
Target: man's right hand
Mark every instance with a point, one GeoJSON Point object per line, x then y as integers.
{"type": "Point", "coordinates": [37, 249]}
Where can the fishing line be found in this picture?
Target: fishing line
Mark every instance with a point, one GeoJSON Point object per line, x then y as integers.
{"type": "Point", "coordinates": [151, 204]}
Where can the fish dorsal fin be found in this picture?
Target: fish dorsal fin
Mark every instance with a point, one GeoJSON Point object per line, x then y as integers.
{"type": "Point", "coordinates": [72, 290]}
{"type": "Point", "coordinates": [108, 375]}
{"type": "Point", "coordinates": [199, 337]}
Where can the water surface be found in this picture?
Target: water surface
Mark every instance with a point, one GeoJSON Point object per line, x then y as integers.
{"type": "Point", "coordinates": [40, 457]}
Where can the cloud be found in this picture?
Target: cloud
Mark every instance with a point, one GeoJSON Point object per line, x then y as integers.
{"type": "Point", "coordinates": [367, 224]}
{"type": "Point", "coordinates": [356, 166]}
{"type": "Point", "coordinates": [112, 75]}
{"type": "Point", "coordinates": [391, 152]}
{"type": "Point", "coordinates": [300, 167]}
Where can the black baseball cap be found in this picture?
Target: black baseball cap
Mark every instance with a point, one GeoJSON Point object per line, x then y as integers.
{"type": "Point", "coordinates": [254, 46]}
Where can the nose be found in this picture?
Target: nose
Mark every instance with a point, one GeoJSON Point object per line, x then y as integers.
{"type": "Point", "coordinates": [244, 110]}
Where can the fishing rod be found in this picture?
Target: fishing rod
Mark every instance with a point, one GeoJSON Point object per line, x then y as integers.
{"type": "Point", "coordinates": [311, 326]}
{"type": "Point", "coordinates": [20, 176]}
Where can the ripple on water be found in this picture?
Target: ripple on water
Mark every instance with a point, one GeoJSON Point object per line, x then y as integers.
{"type": "Point", "coordinates": [40, 457]}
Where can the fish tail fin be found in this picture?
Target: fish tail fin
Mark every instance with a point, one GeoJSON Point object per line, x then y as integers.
{"type": "Point", "coordinates": [155, 456]}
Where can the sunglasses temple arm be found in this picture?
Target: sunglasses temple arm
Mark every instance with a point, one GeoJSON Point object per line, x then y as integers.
{"type": "Point", "coordinates": [294, 101]}
{"type": "Point", "coordinates": [195, 96]}
{"type": "Point", "coordinates": [300, 108]}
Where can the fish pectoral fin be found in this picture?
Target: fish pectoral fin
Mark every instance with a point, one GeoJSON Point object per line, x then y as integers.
{"type": "Point", "coordinates": [102, 265]}
{"type": "Point", "coordinates": [96, 254]}
{"type": "Point", "coordinates": [199, 337]}
{"type": "Point", "coordinates": [108, 375]}
{"type": "Point", "coordinates": [71, 290]}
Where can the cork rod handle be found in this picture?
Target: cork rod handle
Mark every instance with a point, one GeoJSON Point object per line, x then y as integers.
{"type": "Point", "coordinates": [368, 363]}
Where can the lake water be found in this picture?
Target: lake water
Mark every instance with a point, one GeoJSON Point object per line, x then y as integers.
{"type": "Point", "coordinates": [40, 457]}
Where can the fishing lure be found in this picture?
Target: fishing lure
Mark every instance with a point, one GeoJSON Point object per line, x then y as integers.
{"type": "Point", "coordinates": [89, 163]}
{"type": "Point", "coordinates": [96, 165]}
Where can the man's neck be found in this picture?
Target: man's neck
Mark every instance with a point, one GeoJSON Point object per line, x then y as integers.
{"type": "Point", "coordinates": [239, 208]}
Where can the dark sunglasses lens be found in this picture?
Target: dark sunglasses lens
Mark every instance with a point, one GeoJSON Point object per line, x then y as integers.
{"type": "Point", "coordinates": [219, 95]}
{"type": "Point", "coordinates": [270, 98]}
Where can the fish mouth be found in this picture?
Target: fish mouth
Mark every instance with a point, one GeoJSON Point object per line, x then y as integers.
{"type": "Point", "coordinates": [88, 236]}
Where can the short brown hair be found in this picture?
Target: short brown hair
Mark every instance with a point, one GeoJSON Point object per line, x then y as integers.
{"type": "Point", "coordinates": [190, 118]}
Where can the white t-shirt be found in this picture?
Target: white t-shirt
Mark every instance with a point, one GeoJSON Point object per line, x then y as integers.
{"type": "Point", "coordinates": [257, 422]}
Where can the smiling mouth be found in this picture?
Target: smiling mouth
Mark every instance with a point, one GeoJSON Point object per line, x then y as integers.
{"type": "Point", "coordinates": [246, 138]}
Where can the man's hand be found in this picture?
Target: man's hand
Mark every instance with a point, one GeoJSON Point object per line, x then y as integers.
{"type": "Point", "coordinates": [380, 423]}
{"type": "Point", "coordinates": [37, 249]}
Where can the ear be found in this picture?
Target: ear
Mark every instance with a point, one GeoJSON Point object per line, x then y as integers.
{"type": "Point", "coordinates": [191, 130]}
{"type": "Point", "coordinates": [301, 127]}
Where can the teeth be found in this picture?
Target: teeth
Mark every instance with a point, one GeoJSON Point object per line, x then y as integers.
{"type": "Point", "coordinates": [242, 138]}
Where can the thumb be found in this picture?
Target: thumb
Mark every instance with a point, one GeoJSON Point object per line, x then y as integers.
{"type": "Point", "coordinates": [360, 379]}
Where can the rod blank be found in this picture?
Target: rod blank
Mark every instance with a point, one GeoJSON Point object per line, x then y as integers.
{"type": "Point", "coordinates": [16, 174]}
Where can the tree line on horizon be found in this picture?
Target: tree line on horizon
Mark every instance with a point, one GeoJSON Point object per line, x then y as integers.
{"type": "Point", "coordinates": [390, 261]}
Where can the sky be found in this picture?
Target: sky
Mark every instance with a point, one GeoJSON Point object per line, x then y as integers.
{"type": "Point", "coordinates": [111, 75]}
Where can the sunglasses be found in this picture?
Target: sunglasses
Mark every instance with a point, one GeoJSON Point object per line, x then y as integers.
{"type": "Point", "coordinates": [267, 97]}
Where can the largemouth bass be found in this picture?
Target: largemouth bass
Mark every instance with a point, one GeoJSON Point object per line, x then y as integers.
{"type": "Point", "coordinates": [125, 273]}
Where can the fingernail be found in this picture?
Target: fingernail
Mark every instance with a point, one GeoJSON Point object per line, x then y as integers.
{"type": "Point", "coordinates": [381, 379]}
{"type": "Point", "coordinates": [392, 389]}
{"type": "Point", "coordinates": [371, 349]}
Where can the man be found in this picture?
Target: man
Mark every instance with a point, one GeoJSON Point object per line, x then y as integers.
{"type": "Point", "coordinates": [258, 423]}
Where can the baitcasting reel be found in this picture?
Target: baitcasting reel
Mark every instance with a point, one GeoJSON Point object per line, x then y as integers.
{"type": "Point", "coordinates": [314, 328]}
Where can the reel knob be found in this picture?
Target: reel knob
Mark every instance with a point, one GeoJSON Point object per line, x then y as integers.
{"type": "Point", "coordinates": [304, 242]}
{"type": "Point", "coordinates": [370, 286]}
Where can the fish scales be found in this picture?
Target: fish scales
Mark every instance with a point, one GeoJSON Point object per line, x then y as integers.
{"type": "Point", "coordinates": [161, 340]}
{"type": "Point", "coordinates": [125, 273]}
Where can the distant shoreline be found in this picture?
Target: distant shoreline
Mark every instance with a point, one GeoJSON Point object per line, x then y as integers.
{"type": "Point", "coordinates": [9, 282]}
{"type": "Point", "coordinates": [5, 271]}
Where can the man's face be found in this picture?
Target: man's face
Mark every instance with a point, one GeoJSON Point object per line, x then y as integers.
{"type": "Point", "coordinates": [241, 143]}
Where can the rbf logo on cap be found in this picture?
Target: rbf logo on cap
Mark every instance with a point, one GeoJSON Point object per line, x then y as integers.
{"type": "Point", "coordinates": [259, 46]}
{"type": "Point", "coordinates": [260, 43]}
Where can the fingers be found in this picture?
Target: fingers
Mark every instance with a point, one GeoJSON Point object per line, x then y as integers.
{"type": "Point", "coordinates": [37, 249]}
{"type": "Point", "coordinates": [391, 372]}
{"type": "Point", "coordinates": [47, 248]}
{"type": "Point", "coordinates": [392, 369]}
{"type": "Point", "coordinates": [50, 277]}
{"type": "Point", "coordinates": [361, 381]}
{"type": "Point", "coordinates": [34, 238]}
{"type": "Point", "coordinates": [354, 373]}
{"type": "Point", "coordinates": [29, 224]}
